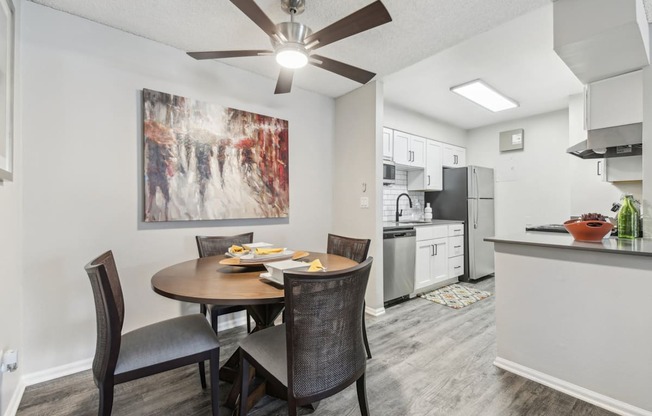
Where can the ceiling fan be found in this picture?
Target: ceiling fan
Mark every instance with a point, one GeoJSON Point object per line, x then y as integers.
{"type": "Point", "coordinates": [294, 42]}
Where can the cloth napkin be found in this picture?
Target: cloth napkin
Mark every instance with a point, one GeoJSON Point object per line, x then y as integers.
{"type": "Point", "coordinates": [316, 266]}
{"type": "Point", "coordinates": [237, 249]}
{"type": "Point", "coordinates": [269, 250]}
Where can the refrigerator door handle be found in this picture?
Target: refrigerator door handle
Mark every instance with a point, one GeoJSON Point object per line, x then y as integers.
{"type": "Point", "coordinates": [475, 188]}
{"type": "Point", "coordinates": [475, 213]}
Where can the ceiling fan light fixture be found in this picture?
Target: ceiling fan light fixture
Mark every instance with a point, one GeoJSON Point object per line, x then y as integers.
{"type": "Point", "coordinates": [481, 93]}
{"type": "Point", "coordinates": [292, 56]}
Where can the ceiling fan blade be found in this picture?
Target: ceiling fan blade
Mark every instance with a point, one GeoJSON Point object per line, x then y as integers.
{"type": "Point", "coordinates": [366, 18]}
{"type": "Point", "coordinates": [340, 68]}
{"type": "Point", "coordinates": [255, 13]}
{"type": "Point", "coordinates": [284, 83]}
{"type": "Point", "coordinates": [228, 54]}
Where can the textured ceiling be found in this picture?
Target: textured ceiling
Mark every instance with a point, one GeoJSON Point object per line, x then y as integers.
{"type": "Point", "coordinates": [429, 46]}
{"type": "Point", "coordinates": [420, 28]}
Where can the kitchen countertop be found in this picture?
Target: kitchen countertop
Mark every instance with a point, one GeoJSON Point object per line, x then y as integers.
{"type": "Point", "coordinates": [638, 247]}
{"type": "Point", "coordinates": [391, 224]}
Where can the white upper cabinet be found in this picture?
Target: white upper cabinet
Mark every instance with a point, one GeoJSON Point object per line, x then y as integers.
{"type": "Point", "coordinates": [409, 150]}
{"type": "Point", "coordinates": [430, 178]}
{"type": "Point", "coordinates": [454, 156]}
{"type": "Point", "coordinates": [615, 101]}
{"type": "Point", "coordinates": [388, 143]}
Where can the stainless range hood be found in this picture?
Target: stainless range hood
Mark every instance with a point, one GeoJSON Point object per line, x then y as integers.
{"type": "Point", "coordinates": [615, 141]}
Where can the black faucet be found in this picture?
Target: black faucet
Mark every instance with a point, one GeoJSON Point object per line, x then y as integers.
{"type": "Point", "coordinates": [398, 214]}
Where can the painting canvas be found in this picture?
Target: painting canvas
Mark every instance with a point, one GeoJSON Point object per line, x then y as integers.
{"type": "Point", "coordinates": [203, 161]}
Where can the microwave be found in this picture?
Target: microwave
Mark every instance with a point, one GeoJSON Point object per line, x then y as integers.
{"type": "Point", "coordinates": [389, 172]}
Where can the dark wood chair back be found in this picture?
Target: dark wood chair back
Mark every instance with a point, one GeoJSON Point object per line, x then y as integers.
{"type": "Point", "coordinates": [217, 245]}
{"type": "Point", "coordinates": [109, 313]}
{"type": "Point", "coordinates": [324, 331]}
{"type": "Point", "coordinates": [355, 249]}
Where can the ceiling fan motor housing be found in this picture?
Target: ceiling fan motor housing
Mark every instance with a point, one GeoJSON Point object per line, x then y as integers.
{"type": "Point", "coordinates": [291, 32]}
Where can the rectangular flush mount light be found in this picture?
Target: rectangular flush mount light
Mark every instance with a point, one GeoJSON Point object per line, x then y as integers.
{"type": "Point", "coordinates": [481, 93]}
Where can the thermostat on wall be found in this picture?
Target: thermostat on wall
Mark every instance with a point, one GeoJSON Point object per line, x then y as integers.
{"type": "Point", "coordinates": [511, 140]}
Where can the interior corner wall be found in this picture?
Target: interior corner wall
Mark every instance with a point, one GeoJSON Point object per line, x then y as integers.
{"type": "Point", "coordinates": [398, 118]}
{"type": "Point", "coordinates": [532, 185]}
{"type": "Point", "coordinates": [357, 156]}
{"type": "Point", "coordinates": [11, 299]}
{"type": "Point", "coordinates": [83, 171]}
{"type": "Point", "coordinates": [647, 154]}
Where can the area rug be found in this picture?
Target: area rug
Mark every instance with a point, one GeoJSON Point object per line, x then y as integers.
{"type": "Point", "coordinates": [455, 296]}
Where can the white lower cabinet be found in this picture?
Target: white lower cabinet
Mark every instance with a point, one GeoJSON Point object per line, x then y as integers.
{"type": "Point", "coordinates": [432, 256]}
{"type": "Point", "coordinates": [456, 250]}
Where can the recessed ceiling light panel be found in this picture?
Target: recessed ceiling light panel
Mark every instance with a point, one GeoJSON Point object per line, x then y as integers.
{"type": "Point", "coordinates": [482, 94]}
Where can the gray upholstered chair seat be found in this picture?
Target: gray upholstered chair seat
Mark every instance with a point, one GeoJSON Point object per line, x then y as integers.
{"type": "Point", "coordinates": [268, 347]}
{"type": "Point", "coordinates": [165, 341]}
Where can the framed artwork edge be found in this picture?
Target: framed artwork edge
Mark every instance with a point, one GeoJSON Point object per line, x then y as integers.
{"type": "Point", "coordinates": [6, 159]}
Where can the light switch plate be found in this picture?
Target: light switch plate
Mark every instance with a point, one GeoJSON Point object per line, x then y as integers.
{"type": "Point", "coordinates": [364, 202]}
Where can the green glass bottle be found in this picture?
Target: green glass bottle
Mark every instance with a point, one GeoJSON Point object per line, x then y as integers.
{"type": "Point", "coordinates": [628, 219]}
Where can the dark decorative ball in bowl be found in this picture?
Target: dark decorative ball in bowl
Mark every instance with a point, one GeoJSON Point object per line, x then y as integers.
{"type": "Point", "coordinates": [591, 231]}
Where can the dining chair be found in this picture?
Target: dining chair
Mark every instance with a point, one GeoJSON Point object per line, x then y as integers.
{"type": "Point", "coordinates": [355, 249]}
{"type": "Point", "coordinates": [149, 350]}
{"type": "Point", "coordinates": [318, 351]}
{"type": "Point", "coordinates": [214, 246]}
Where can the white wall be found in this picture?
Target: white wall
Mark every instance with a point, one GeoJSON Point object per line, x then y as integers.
{"type": "Point", "coordinates": [401, 119]}
{"type": "Point", "coordinates": [358, 155]}
{"type": "Point", "coordinates": [11, 311]}
{"type": "Point", "coordinates": [533, 184]}
{"type": "Point", "coordinates": [82, 173]}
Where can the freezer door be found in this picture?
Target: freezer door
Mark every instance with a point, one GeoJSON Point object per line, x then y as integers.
{"type": "Point", "coordinates": [481, 225]}
{"type": "Point", "coordinates": [480, 182]}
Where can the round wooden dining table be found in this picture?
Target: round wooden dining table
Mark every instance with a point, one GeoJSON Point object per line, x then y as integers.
{"type": "Point", "coordinates": [205, 280]}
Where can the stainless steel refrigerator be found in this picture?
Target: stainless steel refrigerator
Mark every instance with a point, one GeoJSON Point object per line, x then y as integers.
{"type": "Point", "coordinates": [468, 195]}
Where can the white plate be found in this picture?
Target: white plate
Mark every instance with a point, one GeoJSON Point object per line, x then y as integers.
{"type": "Point", "coordinates": [252, 246]}
{"type": "Point", "coordinates": [266, 277]}
{"type": "Point", "coordinates": [275, 269]}
{"type": "Point", "coordinates": [252, 258]}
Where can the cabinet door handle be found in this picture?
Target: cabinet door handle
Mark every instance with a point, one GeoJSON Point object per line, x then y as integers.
{"type": "Point", "coordinates": [411, 157]}
{"type": "Point", "coordinates": [436, 249]}
{"type": "Point", "coordinates": [428, 180]}
{"type": "Point", "coordinates": [432, 250]}
{"type": "Point", "coordinates": [598, 166]}
{"type": "Point", "coordinates": [457, 267]}
{"type": "Point", "coordinates": [454, 159]}
{"type": "Point", "coordinates": [457, 246]}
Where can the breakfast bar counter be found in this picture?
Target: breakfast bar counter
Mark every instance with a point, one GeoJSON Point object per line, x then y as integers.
{"type": "Point", "coordinates": [577, 317]}
{"type": "Point", "coordinates": [636, 247]}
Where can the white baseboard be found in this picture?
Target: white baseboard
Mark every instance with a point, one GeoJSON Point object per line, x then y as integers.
{"type": "Point", "coordinates": [374, 311]}
{"type": "Point", "coordinates": [574, 390]}
{"type": "Point", "coordinates": [12, 409]}
{"type": "Point", "coordinates": [56, 372]}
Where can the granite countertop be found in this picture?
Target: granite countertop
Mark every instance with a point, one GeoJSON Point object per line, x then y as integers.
{"type": "Point", "coordinates": [391, 224]}
{"type": "Point", "coordinates": [639, 246]}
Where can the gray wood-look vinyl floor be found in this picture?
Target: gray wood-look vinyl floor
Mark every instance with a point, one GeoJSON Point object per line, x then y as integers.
{"type": "Point", "coordinates": [427, 360]}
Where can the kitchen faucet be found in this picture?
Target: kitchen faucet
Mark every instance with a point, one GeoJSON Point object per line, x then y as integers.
{"type": "Point", "coordinates": [399, 214]}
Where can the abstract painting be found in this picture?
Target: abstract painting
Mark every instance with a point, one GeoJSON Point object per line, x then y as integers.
{"type": "Point", "coordinates": [203, 161]}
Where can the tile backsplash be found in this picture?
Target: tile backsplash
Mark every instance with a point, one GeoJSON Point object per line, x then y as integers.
{"type": "Point", "coordinates": [391, 192]}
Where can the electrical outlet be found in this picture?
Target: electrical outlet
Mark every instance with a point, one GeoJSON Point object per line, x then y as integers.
{"type": "Point", "coordinates": [364, 202]}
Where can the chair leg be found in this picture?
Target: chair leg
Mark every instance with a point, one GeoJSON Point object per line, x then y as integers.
{"type": "Point", "coordinates": [292, 405]}
{"type": "Point", "coordinates": [214, 321]}
{"type": "Point", "coordinates": [106, 399]}
{"type": "Point", "coordinates": [202, 308]}
{"type": "Point", "coordinates": [202, 374]}
{"type": "Point", "coordinates": [244, 384]}
{"type": "Point", "coordinates": [248, 322]}
{"type": "Point", "coordinates": [215, 381]}
{"type": "Point", "coordinates": [362, 396]}
{"type": "Point", "coordinates": [364, 337]}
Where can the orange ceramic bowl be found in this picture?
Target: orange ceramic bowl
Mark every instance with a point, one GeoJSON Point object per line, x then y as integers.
{"type": "Point", "coordinates": [589, 231]}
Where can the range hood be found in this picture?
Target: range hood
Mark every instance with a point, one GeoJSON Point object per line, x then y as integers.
{"type": "Point", "coordinates": [615, 141]}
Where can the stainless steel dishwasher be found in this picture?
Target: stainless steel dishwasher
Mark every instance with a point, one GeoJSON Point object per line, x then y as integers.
{"type": "Point", "coordinates": [399, 255]}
